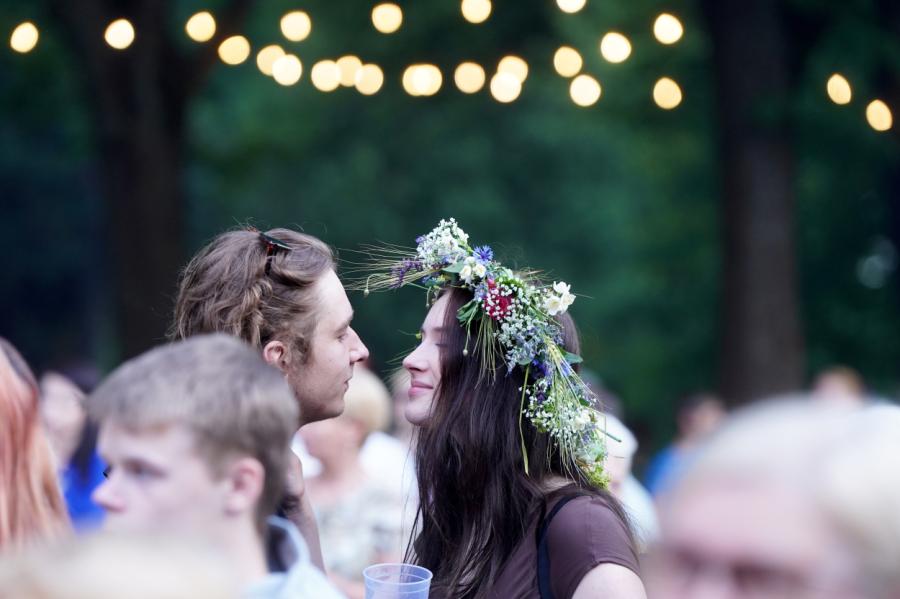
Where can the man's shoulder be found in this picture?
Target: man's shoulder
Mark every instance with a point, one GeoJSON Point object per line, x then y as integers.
{"type": "Point", "coordinates": [292, 574]}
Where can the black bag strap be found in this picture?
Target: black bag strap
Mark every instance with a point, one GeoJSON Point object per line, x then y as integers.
{"type": "Point", "coordinates": [543, 553]}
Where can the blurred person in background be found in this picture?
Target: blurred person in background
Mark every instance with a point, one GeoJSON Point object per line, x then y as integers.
{"type": "Point", "coordinates": [359, 512]}
{"type": "Point", "coordinates": [32, 509]}
{"type": "Point", "coordinates": [401, 428]}
{"type": "Point", "coordinates": [388, 456]}
{"type": "Point", "coordinates": [697, 416]}
{"type": "Point", "coordinates": [612, 403]}
{"type": "Point", "coordinates": [621, 447]}
{"type": "Point", "coordinates": [839, 385]}
{"type": "Point", "coordinates": [73, 440]}
{"type": "Point", "coordinates": [791, 499]}
{"type": "Point", "coordinates": [279, 292]}
{"type": "Point", "coordinates": [114, 566]}
{"type": "Point", "coordinates": [196, 435]}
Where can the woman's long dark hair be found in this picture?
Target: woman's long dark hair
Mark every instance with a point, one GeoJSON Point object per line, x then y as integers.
{"type": "Point", "coordinates": [475, 500]}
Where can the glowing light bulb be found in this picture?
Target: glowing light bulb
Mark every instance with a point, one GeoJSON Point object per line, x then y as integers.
{"type": "Point", "coordinates": [387, 17]}
{"type": "Point", "coordinates": [505, 87]}
{"type": "Point", "coordinates": [469, 77]}
{"type": "Point", "coordinates": [349, 65]}
{"type": "Point", "coordinates": [234, 50]}
{"type": "Point", "coordinates": [369, 79]}
{"type": "Point", "coordinates": [201, 27]}
{"type": "Point", "coordinates": [567, 61]}
{"type": "Point", "coordinates": [119, 34]}
{"type": "Point", "coordinates": [476, 11]}
{"type": "Point", "coordinates": [422, 80]}
{"type": "Point", "coordinates": [266, 57]}
{"type": "Point", "coordinates": [296, 26]}
{"type": "Point", "coordinates": [287, 70]}
{"type": "Point", "coordinates": [838, 89]}
{"type": "Point", "coordinates": [615, 47]}
{"type": "Point", "coordinates": [408, 73]}
{"type": "Point", "coordinates": [326, 75]}
{"type": "Point", "coordinates": [667, 29]}
{"type": "Point", "coordinates": [666, 94]}
{"type": "Point", "coordinates": [585, 90]}
{"type": "Point", "coordinates": [571, 6]}
{"type": "Point", "coordinates": [427, 80]}
{"type": "Point", "coordinates": [24, 37]}
{"type": "Point", "coordinates": [515, 66]}
{"type": "Point", "coordinates": [879, 115]}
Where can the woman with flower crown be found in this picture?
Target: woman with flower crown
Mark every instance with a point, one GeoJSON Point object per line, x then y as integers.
{"type": "Point", "coordinates": [510, 447]}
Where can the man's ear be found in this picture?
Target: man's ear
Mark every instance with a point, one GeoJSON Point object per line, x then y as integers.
{"type": "Point", "coordinates": [245, 478]}
{"type": "Point", "coordinates": [275, 353]}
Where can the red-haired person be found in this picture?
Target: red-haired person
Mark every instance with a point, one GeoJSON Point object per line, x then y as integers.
{"type": "Point", "coordinates": [31, 505]}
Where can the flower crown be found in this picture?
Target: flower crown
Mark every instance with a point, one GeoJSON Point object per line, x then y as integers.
{"type": "Point", "coordinates": [517, 329]}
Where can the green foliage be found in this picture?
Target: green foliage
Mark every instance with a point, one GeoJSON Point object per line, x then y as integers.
{"type": "Point", "coordinates": [849, 203]}
{"type": "Point", "coordinates": [619, 199]}
{"type": "Point", "coordinates": [50, 228]}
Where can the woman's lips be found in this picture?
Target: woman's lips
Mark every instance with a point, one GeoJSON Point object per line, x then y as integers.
{"type": "Point", "coordinates": [417, 389]}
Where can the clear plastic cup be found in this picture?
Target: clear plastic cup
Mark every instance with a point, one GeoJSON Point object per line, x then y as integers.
{"type": "Point", "coordinates": [397, 581]}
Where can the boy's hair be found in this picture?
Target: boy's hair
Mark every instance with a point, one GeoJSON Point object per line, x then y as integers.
{"type": "Point", "coordinates": [222, 391]}
{"type": "Point", "coordinates": [243, 285]}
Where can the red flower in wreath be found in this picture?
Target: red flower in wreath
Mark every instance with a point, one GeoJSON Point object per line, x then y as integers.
{"type": "Point", "coordinates": [495, 305]}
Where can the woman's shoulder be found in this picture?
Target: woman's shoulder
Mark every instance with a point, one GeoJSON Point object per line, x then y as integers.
{"type": "Point", "coordinates": [579, 508]}
{"type": "Point", "coordinates": [585, 532]}
{"type": "Point", "coordinates": [589, 530]}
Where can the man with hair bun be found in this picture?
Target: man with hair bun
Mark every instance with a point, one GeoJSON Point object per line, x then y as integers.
{"type": "Point", "coordinates": [278, 291]}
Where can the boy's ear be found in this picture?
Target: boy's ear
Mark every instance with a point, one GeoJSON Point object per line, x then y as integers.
{"type": "Point", "coordinates": [275, 353]}
{"type": "Point", "coordinates": [245, 478]}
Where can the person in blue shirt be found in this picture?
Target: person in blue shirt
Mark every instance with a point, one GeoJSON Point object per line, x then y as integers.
{"type": "Point", "coordinates": [73, 440]}
{"type": "Point", "coordinates": [698, 415]}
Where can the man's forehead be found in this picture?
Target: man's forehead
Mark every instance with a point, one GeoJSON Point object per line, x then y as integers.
{"type": "Point", "coordinates": [116, 435]}
{"type": "Point", "coordinates": [334, 305]}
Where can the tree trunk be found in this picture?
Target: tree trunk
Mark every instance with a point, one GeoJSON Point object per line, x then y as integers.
{"type": "Point", "coordinates": [761, 341]}
{"type": "Point", "coordinates": [140, 99]}
{"type": "Point", "coordinates": [138, 109]}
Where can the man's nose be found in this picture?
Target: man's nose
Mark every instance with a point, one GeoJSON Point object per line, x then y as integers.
{"type": "Point", "coordinates": [360, 352]}
{"type": "Point", "coordinates": [107, 497]}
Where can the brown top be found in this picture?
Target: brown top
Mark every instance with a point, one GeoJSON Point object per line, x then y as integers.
{"type": "Point", "coordinates": [583, 534]}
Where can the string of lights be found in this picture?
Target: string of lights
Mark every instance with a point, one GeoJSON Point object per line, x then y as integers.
{"type": "Point", "coordinates": [505, 84]}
